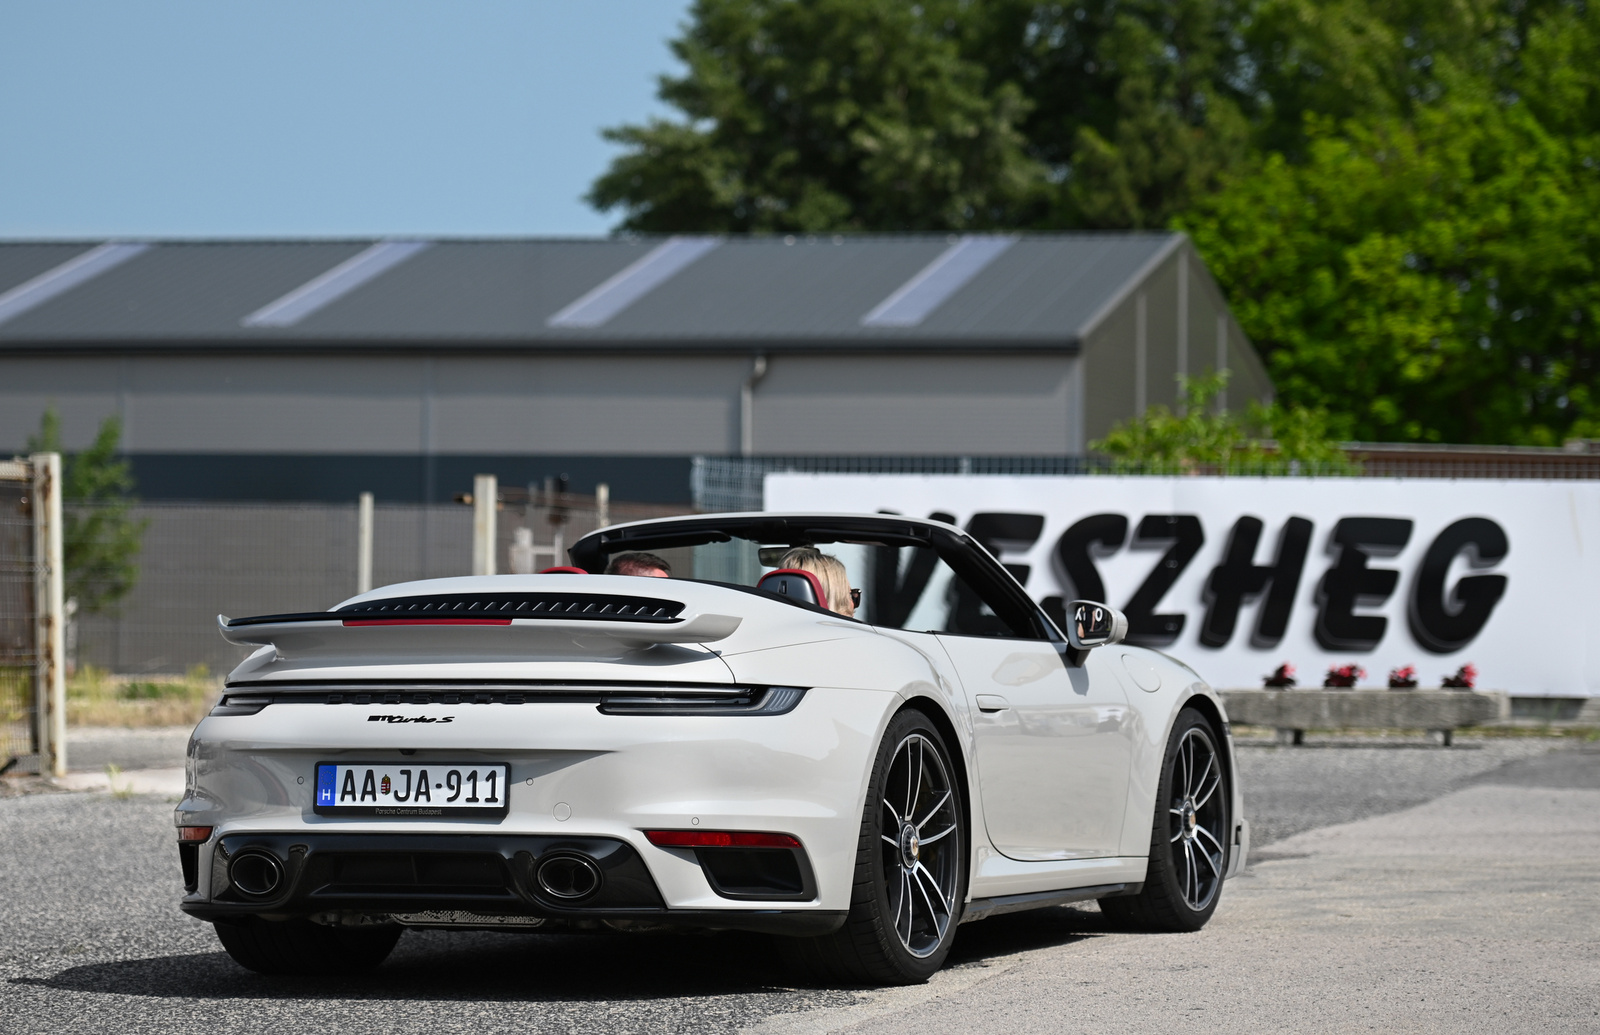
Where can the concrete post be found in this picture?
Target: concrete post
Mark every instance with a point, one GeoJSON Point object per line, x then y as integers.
{"type": "Point", "coordinates": [602, 505]}
{"type": "Point", "coordinates": [364, 543]}
{"type": "Point", "coordinates": [49, 595]}
{"type": "Point", "coordinates": [485, 500]}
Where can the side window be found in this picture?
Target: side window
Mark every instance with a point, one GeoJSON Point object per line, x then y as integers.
{"type": "Point", "coordinates": [911, 587]}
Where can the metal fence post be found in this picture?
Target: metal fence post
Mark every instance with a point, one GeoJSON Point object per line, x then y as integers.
{"type": "Point", "coordinates": [364, 543]}
{"type": "Point", "coordinates": [485, 498]}
{"type": "Point", "coordinates": [50, 679]}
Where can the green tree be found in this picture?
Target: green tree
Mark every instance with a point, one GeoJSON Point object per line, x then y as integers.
{"type": "Point", "coordinates": [1202, 438]}
{"type": "Point", "coordinates": [100, 537]}
{"type": "Point", "coordinates": [1433, 278]}
{"type": "Point", "coordinates": [834, 114]}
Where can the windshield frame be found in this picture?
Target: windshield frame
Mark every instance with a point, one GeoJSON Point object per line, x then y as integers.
{"type": "Point", "coordinates": [965, 556]}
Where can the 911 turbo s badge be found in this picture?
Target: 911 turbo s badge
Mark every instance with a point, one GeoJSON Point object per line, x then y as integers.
{"type": "Point", "coordinates": [411, 718]}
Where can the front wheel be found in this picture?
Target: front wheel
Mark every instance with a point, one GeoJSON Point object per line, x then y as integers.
{"type": "Point", "coordinates": [910, 867]}
{"type": "Point", "coordinates": [1188, 838]}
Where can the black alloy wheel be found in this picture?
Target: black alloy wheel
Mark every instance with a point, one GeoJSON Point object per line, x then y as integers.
{"type": "Point", "coordinates": [910, 873]}
{"type": "Point", "coordinates": [1189, 836]}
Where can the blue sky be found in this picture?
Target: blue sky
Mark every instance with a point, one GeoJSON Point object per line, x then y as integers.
{"type": "Point", "coordinates": [340, 117]}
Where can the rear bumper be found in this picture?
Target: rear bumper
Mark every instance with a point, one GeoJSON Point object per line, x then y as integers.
{"type": "Point", "coordinates": [576, 774]}
{"type": "Point", "coordinates": [353, 878]}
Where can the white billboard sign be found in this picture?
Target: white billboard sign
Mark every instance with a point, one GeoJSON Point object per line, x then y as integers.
{"type": "Point", "coordinates": [1238, 575]}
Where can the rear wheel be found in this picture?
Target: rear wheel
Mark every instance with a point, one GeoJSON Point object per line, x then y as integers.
{"type": "Point", "coordinates": [302, 947]}
{"type": "Point", "coordinates": [1188, 838]}
{"type": "Point", "coordinates": [910, 867]}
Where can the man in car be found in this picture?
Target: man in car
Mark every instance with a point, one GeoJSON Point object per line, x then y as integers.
{"type": "Point", "coordinates": [646, 564]}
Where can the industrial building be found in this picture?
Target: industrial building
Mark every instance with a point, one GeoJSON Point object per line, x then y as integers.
{"type": "Point", "coordinates": [311, 370]}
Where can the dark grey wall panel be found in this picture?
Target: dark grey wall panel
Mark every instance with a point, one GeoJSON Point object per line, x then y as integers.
{"type": "Point", "coordinates": [554, 404]}
{"type": "Point", "coordinates": [397, 479]}
{"type": "Point", "coordinates": [84, 393]}
{"type": "Point", "coordinates": [1110, 372]}
{"type": "Point", "coordinates": [916, 405]}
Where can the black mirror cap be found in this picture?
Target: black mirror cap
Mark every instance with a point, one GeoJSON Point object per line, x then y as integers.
{"type": "Point", "coordinates": [1092, 624]}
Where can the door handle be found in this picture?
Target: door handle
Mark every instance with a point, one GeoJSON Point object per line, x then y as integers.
{"type": "Point", "coordinates": [992, 703]}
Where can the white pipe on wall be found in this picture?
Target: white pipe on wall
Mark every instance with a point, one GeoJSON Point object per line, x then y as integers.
{"type": "Point", "coordinates": [364, 543]}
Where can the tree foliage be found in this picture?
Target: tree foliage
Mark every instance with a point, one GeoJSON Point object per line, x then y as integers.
{"type": "Point", "coordinates": [100, 537]}
{"type": "Point", "coordinates": [835, 114]}
{"type": "Point", "coordinates": [1432, 278]}
{"type": "Point", "coordinates": [1399, 197]}
{"type": "Point", "coordinates": [1202, 438]}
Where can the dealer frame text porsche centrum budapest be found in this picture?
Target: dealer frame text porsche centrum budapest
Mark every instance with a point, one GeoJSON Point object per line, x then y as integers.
{"type": "Point", "coordinates": [1316, 572]}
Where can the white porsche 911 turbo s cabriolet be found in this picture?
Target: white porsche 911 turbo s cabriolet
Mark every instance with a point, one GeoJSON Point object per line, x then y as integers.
{"type": "Point", "coordinates": [718, 748]}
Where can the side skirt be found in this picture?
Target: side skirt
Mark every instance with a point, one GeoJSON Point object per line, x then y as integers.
{"type": "Point", "coordinates": [982, 908]}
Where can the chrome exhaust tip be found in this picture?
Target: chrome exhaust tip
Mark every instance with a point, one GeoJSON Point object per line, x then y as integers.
{"type": "Point", "coordinates": [568, 876]}
{"type": "Point", "coordinates": [256, 872]}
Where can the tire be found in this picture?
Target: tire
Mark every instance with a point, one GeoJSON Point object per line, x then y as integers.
{"type": "Point", "coordinates": [910, 877]}
{"type": "Point", "coordinates": [302, 947]}
{"type": "Point", "coordinates": [1188, 838]}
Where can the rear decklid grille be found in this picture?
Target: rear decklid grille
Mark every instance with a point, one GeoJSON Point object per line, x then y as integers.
{"type": "Point", "coordinates": [483, 608]}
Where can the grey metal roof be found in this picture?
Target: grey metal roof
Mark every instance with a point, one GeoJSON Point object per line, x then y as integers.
{"type": "Point", "coordinates": [877, 291]}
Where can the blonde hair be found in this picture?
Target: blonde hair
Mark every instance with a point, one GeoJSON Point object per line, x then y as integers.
{"type": "Point", "coordinates": [829, 571]}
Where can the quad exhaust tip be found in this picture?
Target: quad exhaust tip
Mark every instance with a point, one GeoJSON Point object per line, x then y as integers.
{"type": "Point", "coordinates": [567, 876]}
{"type": "Point", "coordinates": [256, 873]}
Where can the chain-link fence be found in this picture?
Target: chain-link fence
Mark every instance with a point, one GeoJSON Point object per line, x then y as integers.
{"type": "Point", "coordinates": [18, 654]}
{"type": "Point", "coordinates": [199, 560]}
{"type": "Point", "coordinates": [721, 483]}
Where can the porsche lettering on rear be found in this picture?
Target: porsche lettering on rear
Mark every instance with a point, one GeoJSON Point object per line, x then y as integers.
{"type": "Point", "coordinates": [411, 718]}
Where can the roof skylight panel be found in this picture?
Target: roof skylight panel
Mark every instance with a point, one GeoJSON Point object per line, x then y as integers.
{"type": "Point", "coordinates": [63, 278]}
{"type": "Point", "coordinates": [638, 279]}
{"type": "Point", "coordinates": [912, 301]}
{"type": "Point", "coordinates": [333, 285]}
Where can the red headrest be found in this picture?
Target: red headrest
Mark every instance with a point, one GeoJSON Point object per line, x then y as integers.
{"type": "Point", "coordinates": [794, 584]}
{"type": "Point", "coordinates": [564, 571]}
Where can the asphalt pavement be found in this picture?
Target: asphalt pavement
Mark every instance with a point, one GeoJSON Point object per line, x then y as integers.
{"type": "Point", "coordinates": [1398, 886]}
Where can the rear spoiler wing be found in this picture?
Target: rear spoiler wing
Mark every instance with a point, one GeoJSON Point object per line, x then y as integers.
{"type": "Point", "coordinates": [363, 633]}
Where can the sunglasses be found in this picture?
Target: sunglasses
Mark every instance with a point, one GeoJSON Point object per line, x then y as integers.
{"type": "Point", "coordinates": [855, 598]}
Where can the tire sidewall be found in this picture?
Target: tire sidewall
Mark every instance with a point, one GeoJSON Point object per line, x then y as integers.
{"type": "Point", "coordinates": [1162, 856]}
{"type": "Point", "coordinates": [914, 968]}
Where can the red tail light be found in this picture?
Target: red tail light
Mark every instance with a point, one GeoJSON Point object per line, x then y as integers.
{"type": "Point", "coordinates": [426, 621]}
{"type": "Point", "coordinates": [718, 839]}
{"type": "Point", "coordinates": [194, 833]}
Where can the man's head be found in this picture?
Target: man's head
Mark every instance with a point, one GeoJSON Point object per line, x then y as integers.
{"type": "Point", "coordinates": [646, 564]}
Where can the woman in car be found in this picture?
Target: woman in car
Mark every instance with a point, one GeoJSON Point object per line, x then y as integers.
{"type": "Point", "coordinates": [829, 571]}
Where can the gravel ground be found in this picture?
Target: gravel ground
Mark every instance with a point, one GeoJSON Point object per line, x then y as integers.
{"type": "Point", "coordinates": [91, 748]}
{"type": "Point", "coordinates": [95, 943]}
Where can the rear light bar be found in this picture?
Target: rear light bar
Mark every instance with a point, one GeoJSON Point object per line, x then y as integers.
{"type": "Point", "coordinates": [194, 833]}
{"type": "Point", "coordinates": [718, 839]}
{"type": "Point", "coordinates": [427, 621]}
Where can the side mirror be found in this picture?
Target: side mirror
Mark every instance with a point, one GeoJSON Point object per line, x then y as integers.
{"type": "Point", "coordinates": [1090, 625]}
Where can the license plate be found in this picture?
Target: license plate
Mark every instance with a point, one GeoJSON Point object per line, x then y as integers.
{"type": "Point", "coordinates": [426, 790]}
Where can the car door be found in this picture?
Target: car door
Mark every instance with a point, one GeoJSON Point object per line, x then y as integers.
{"type": "Point", "coordinates": [1053, 746]}
{"type": "Point", "coordinates": [1053, 742]}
